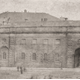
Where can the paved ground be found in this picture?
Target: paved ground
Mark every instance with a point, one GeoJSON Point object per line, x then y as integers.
{"type": "Point", "coordinates": [39, 73]}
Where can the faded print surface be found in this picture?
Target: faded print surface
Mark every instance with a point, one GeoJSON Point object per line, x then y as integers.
{"type": "Point", "coordinates": [39, 41]}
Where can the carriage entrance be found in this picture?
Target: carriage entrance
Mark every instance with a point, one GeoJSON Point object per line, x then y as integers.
{"type": "Point", "coordinates": [77, 58]}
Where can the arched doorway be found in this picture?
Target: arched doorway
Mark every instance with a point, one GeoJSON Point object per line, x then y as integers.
{"type": "Point", "coordinates": [77, 58]}
{"type": "Point", "coordinates": [4, 53]}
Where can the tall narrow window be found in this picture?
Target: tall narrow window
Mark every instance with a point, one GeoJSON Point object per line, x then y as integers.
{"type": "Point", "coordinates": [42, 19]}
{"type": "Point", "coordinates": [79, 41]}
{"type": "Point", "coordinates": [45, 56]}
{"type": "Point", "coordinates": [23, 55]}
{"type": "Point", "coordinates": [12, 40]}
{"type": "Point", "coordinates": [4, 55]}
{"type": "Point", "coordinates": [34, 56]}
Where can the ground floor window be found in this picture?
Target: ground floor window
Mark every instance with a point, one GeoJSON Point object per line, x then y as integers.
{"type": "Point", "coordinates": [77, 58]}
{"type": "Point", "coordinates": [45, 56]}
{"type": "Point", "coordinates": [4, 55]}
{"type": "Point", "coordinates": [34, 56]}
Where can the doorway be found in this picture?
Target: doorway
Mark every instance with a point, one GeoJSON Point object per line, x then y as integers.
{"type": "Point", "coordinates": [77, 58]}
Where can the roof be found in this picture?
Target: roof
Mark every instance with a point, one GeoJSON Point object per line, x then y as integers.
{"type": "Point", "coordinates": [29, 19]}
{"type": "Point", "coordinates": [26, 17]}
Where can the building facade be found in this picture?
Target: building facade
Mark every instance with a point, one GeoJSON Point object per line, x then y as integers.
{"type": "Point", "coordinates": [51, 44]}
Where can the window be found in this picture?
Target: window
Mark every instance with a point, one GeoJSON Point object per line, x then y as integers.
{"type": "Point", "coordinates": [46, 41]}
{"type": "Point", "coordinates": [4, 55]}
{"type": "Point", "coordinates": [57, 41]}
{"type": "Point", "coordinates": [34, 41]}
{"type": "Point", "coordinates": [45, 19]}
{"type": "Point", "coordinates": [23, 55]}
{"type": "Point", "coordinates": [12, 40]}
{"type": "Point", "coordinates": [34, 56]}
{"type": "Point", "coordinates": [42, 19]}
{"type": "Point", "coordinates": [26, 20]}
{"type": "Point", "coordinates": [79, 41]}
{"type": "Point", "coordinates": [45, 56]}
{"type": "Point", "coordinates": [4, 39]}
{"type": "Point", "coordinates": [23, 42]}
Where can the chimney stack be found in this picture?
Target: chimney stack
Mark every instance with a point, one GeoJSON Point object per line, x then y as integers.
{"type": "Point", "coordinates": [25, 11]}
{"type": "Point", "coordinates": [63, 18]}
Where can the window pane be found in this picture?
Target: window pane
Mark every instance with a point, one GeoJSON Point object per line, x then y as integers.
{"type": "Point", "coordinates": [79, 41]}
{"type": "Point", "coordinates": [34, 56]}
{"type": "Point", "coordinates": [4, 55]}
{"type": "Point", "coordinates": [23, 55]}
{"type": "Point", "coordinates": [46, 41]}
{"type": "Point", "coordinates": [34, 41]}
{"type": "Point", "coordinates": [45, 56]}
{"type": "Point", "coordinates": [23, 42]}
{"type": "Point", "coordinates": [12, 40]}
{"type": "Point", "coordinates": [57, 41]}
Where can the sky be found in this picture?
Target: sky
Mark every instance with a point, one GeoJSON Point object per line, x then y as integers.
{"type": "Point", "coordinates": [58, 8]}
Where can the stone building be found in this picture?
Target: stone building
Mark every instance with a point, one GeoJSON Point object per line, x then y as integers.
{"type": "Point", "coordinates": [38, 40]}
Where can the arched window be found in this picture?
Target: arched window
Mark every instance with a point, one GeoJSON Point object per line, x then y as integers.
{"type": "Point", "coordinates": [23, 55]}
{"type": "Point", "coordinates": [34, 56]}
{"type": "Point", "coordinates": [79, 41]}
{"type": "Point", "coordinates": [45, 56]}
{"type": "Point", "coordinates": [4, 55]}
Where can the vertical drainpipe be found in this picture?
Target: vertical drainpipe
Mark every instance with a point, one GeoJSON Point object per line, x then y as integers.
{"type": "Point", "coordinates": [9, 48]}
{"type": "Point", "coordinates": [15, 48]}
{"type": "Point", "coordinates": [66, 44]}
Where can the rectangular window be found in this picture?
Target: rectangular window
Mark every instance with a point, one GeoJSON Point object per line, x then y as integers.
{"type": "Point", "coordinates": [23, 42]}
{"type": "Point", "coordinates": [12, 40]}
{"type": "Point", "coordinates": [58, 41]}
{"type": "Point", "coordinates": [45, 41]}
{"type": "Point", "coordinates": [34, 56]}
{"type": "Point", "coordinates": [79, 41]}
{"type": "Point", "coordinates": [23, 55]}
{"type": "Point", "coordinates": [4, 55]}
{"type": "Point", "coordinates": [45, 19]}
{"type": "Point", "coordinates": [34, 41]}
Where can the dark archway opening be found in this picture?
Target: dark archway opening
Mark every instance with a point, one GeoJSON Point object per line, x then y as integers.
{"type": "Point", "coordinates": [77, 58]}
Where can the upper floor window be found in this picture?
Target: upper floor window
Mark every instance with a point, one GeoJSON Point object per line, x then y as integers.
{"type": "Point", "coordinates": [79, 41]}
{"type": "Point", "coordinates": [57, 41]}
{"type": "Point", "coordinates": [34, 41]}
{"type": "Point", "coordinates": [26, 20]}
{"type": "Point", "coordinates": [12, 40]}
{"type": "Point", "coordinates": [45, 41]}
{"type": "Point", "coordinates": [45, 19]}
{"type": "Point", "coordinates": [42, 19]}
{"type": "Point", "coordinates": [23, 55]}
{"type": "Point", "coordinates": [23, 42]}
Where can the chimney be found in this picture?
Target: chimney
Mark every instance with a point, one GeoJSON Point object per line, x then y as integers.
{"type": "Point", "coordinates": [63, 18]}
{"type": "Point", "coordinates": [25, 11]}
